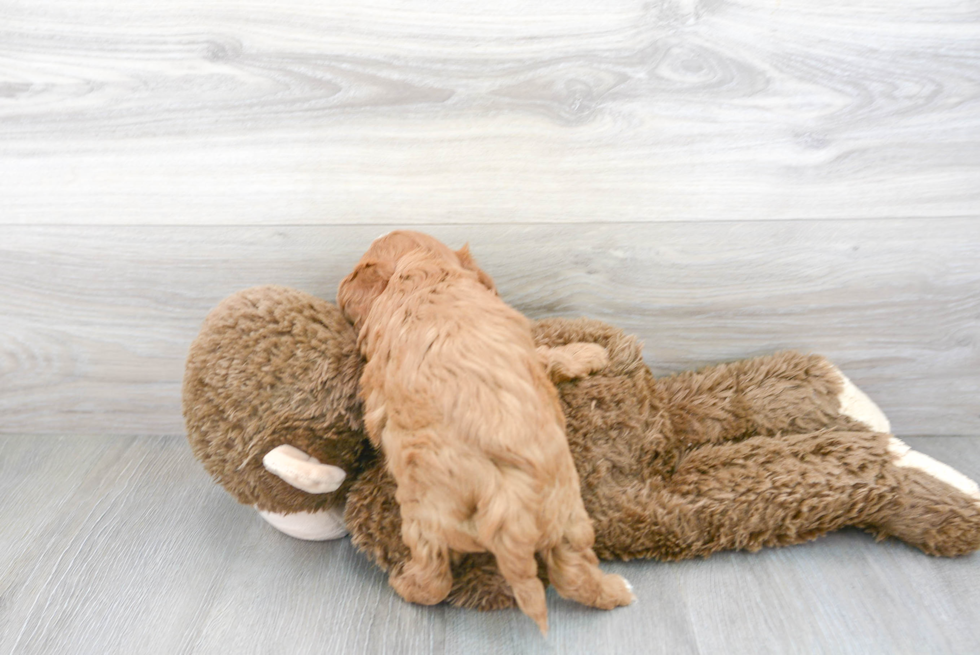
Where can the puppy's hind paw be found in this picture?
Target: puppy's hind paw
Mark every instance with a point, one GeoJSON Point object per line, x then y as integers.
{"type": "Point", "coordinates": [616, 592]}
{"type": "Point", "coordinates": [415, 586]}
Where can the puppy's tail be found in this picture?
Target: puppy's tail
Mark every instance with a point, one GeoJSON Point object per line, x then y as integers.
{"type": "Point", "coordinates": [520, 569]}
{"type": "Point", "coordinates": [512, 542]}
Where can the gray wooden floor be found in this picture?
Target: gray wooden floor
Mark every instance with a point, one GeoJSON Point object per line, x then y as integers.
{"type": "Point", "coordinates": [123, 545]}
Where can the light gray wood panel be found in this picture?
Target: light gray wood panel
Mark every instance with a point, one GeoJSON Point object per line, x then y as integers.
{"type": "Point", "coordinates": [840, 594]}
{"type": "Point", "coordinates": [128, 561]}
{"type": "Point", "coordinates": [39, 478]}
{"type": "Point", "coordinates": [351, 112]}
{"type": "Point", "coordinates": [95, 322]}
{"type": "Point", "coordinates": [129, 547]}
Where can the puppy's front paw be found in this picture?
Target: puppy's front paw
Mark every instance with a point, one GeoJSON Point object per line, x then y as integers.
{"type": "Point", "coordinates": [574, 360]}
{"type": "Point", "coordinates": [589, 357]}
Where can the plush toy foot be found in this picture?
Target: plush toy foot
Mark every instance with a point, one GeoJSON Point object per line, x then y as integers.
{"type": "Point", "coordinates": [309, 526]}
{"type": "Point", "coordinates": [306, 473]}
{"type": "Point", "coordinates": [931, 514]}
{"type": "Point", "coordinates": [855, 404]}
{"type": "Point", "coordinates": [905, 457]}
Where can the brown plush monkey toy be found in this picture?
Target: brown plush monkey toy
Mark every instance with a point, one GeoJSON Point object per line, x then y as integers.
{"type": "Point", "coordinates": [763, 452]}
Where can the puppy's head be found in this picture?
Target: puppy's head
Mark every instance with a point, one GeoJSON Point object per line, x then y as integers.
{"type": "Point", "coordinates": [358, 291]}
{"type": "Point", "coordinates": [368, 280]}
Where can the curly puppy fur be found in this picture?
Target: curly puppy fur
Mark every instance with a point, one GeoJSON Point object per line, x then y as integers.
{"type": "Point", "coordinates": [458, 398]}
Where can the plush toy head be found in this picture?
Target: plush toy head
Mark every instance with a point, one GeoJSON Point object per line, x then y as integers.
{"type": "Point", "coordinates": [275, 366]}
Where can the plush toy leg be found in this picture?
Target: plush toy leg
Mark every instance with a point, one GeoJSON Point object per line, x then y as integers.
{"type": "Point", "coordinates": [749, 494]}
{"type": "Point", "coordinates": [933, 506]}
{"type": "Point", "coordinates": [310, 526]}
{"type": "Point", "coordinates": [783, 393]}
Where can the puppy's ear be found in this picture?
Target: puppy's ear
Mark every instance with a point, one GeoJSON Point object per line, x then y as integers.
{"type": "Point", "coordinates": [466, 261]}
{"type": "Point", "coordinates": [358, 291]}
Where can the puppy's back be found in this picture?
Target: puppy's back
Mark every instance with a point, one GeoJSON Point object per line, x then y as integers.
{"type": "Point", "coordinates": [453, 347]}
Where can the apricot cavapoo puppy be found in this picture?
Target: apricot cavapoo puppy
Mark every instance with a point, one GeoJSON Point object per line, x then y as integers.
{"type": "Point", "coordinates": [462, 405]}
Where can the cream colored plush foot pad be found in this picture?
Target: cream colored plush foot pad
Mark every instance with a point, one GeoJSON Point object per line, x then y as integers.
{"type": "Point", "coordinates": [309, 526]}
{"type": "Point", "coordinates": [914, 459]}
{"type": "Point", "coordinates": [856, 404]}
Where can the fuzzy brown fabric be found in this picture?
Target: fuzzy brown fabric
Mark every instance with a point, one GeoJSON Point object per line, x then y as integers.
{"type": "Point", "coordinates": [737, 456]}
{"type": "Point", "coordinates": [274, 366]}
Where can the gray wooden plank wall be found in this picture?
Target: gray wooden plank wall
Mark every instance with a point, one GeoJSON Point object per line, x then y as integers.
{"type": "Point", "coordinates": [97, 319]}
{"type": "Point", "coordinates": [349, 111]}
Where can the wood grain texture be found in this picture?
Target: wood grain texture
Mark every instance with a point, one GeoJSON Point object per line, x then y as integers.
{"type": "Point", "coordinates": [262, 113]}
{"type": "Point", "coordinates": [125, 546]}
{"type": "Point", "coordinates": [95, 322]}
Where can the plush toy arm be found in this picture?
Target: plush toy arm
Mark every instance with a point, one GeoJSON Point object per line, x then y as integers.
{"type": "Point", "coordinates": [302, 471]}
{"type": "Point", "coordinates": [784, 393]}
{"type": "Point", "coordinates": [573, 360]}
